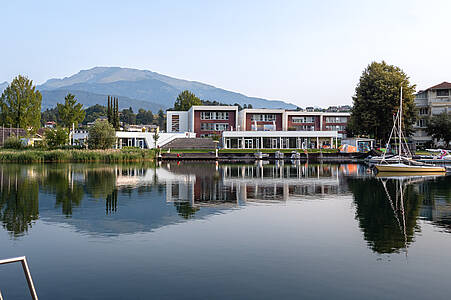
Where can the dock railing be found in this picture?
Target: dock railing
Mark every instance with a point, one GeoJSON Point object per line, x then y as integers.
{"type": "Point", "coordinates": [26, 271]}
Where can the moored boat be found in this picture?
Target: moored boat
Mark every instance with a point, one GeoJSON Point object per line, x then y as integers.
{"type": "Point", "coordinates": [401, 167]}
{"type": "Point", "coordinates": [405, 163]}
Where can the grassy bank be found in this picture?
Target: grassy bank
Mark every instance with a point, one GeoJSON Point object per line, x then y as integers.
{"type": "Point", "coordinates": [33, 155]}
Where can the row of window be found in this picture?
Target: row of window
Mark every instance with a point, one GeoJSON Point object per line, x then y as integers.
{"type": "Point", "coordinates": [214, 126]}
{"type": "Point", "coordinates": [305, 128]}
{"type": "Point", "coordinates": [214, 115]}
{"type": "Point", "coordinates": [336, 119]}
{"type": "Point", "coordinates": [303, 119]}
{"type": "Point", "coordinates": [423, 111]}
{"type": "Point", "coordinates": [335, 127]}
{"type": "Point", "coordinates": [263, 117]}
{"type": "Point", "coordinates": [422, 123]}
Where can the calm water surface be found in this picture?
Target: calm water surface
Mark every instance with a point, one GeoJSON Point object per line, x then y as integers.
{"type": "Point", "coordinates": [207, 231]}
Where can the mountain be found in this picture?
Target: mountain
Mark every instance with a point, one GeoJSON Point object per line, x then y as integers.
{"type": "Point", "coordinates": [51, 97]}
{"type": "Point", "coordinates": [3, 86]}
{"type": "Point", "coordinates": [139, 88]}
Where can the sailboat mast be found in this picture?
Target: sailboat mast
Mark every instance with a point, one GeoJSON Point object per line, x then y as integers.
{"type": "Point", "coordinates": [400, 124]}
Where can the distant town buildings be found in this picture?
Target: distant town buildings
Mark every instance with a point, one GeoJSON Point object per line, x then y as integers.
{"type": "Point", "coordinates": [430, 102]}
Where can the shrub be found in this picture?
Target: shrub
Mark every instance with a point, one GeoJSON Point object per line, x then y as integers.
{"type": "Point", "coordinates": [56, 137]}
{"type": "Point", "coordinates": [13, 143]}
{"type": "Point", "coordinates": [102, 135]}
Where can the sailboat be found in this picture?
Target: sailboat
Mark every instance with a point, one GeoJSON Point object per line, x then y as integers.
{"type": "Point", "coordinates": [404, 163]}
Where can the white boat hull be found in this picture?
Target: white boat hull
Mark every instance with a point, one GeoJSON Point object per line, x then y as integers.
{"type": "Point", "coordinates": [407, 168]}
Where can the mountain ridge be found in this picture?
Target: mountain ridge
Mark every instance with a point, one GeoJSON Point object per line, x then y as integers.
{"type": "Point", "coordinates": [140, 89]}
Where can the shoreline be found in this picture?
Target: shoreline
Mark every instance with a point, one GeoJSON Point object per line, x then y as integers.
{"type": "Point", "coordinates": [75, 156]}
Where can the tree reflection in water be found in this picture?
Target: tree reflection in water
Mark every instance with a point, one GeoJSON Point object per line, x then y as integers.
{"type": "Point", "coordinates": [19, 200]}
{"type": "Point", "coordinates": [68, 193]}
{"type": "Point", "coordinates": [388, 226]}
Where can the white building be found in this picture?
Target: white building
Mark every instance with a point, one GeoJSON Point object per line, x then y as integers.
{"type": "Point", "coordinates": [430, 102]}
{"type": "Point", "coordinates": [144, 140]}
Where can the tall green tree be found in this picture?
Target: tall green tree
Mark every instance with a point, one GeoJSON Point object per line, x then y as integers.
{"type": "Point", "coordinates": [161, 119]}
{"type": "Point", "coordinates": [376, 101]}
{"type": "Point", "coordinates": [94, 112]}
{"type": "Point", "coordinates": [115, 116]}
{"type": "Point", "coordinates": [185, 100]}
{"type": "Point", "coordinates": [109, 111]}
{"type": "Point", "coordinates": [20, 104]}
{"type": "Point", "coordinates": [144, 117]}
{"type": "Point", "coordinates": [70, 112]}
{"type": "Point", "coordinates": [50, 114]}
{"type": "Point", "coordinates": [439, 127]}
{"type": "Point", "coordinates": [101, 135]}
{"type": "Point", "coordinates": [128, 116]}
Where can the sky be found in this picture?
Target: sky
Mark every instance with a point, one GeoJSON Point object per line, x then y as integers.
{"type": "Point", "coordinates": [310, 53]}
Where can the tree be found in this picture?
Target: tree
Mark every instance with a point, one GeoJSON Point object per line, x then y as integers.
{"type": "Point", "coordinates": [110, 111]}
{"type": "Point", "coordinates": [161, 118]}
{"type": "Point", "coordinates": [115, 112]}
{"type": "Point", "coordinates": [376, 101]}
{"type": "Point", "coordinates": [101, 135]}
{"type": "Point", "coordinates": [144, 117]}
{"type": "Point", "coordinates": [439, 127]}
{"type": "Point", "coordinates": [128, 117]}
{"type": "Point", "coordinates": [70, 112]}
{"type": "Point", "coordinates": [185, 100]}
{"type": "Point", "coordinates": [56, 137]}
{"type": "Point", "coordinates": [50, 114]}
{"type": "Point", "coordinates": [94, 112]}
{"type": "Point", "coordinates": [156, 136]}
{"type": "Point", "coordinates": [20, 104]}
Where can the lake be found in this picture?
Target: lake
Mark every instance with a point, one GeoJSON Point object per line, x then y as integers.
{"type": "Point", "coordinates": [224, 231]}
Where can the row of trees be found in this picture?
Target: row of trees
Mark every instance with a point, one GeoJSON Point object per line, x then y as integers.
{"type": "Point", "coordinates": [113, 112]}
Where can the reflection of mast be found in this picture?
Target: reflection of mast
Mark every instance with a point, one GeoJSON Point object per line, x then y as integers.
{"type": "Point", "coordinates": [399, 195]}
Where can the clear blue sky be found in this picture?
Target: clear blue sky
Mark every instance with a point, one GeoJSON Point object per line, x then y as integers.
{"type": "Point", "coordinates": [304, 52]}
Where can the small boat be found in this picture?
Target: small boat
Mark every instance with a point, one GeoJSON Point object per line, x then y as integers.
{"type": "Point", "coordinates": [405, 163]}
{"type": "Point", "coordinates": [401, 167]}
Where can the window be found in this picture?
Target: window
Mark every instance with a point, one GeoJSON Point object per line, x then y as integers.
{"type": "Point", "coordinates": [423, 111]}
{"type": "Point", "coordinates": [442, 93]}
{"type": "Point", "coordinates": [214, 115]}
{"type": "Point", "coordinates": [421, 123]}
{"type": "Point", "coordinates": [214, 126]}
{"type": "Point", "coordinates": [175, 123]}
{"type": "Point", "coordinates": [305, 128]}
{"type": "Point", "coordinates": [221, 126]}
{"type": "Point", "coordinates": [335, 127]}
{"type": "Point", "coordinates": [263, 117]}
{"type": "Point", "coordinates": [336, 119]}
{"type": "Point", "coordinates": [303, 119]}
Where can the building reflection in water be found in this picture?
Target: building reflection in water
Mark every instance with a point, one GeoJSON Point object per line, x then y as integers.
{"type": "Point", "coordinates": [280, 182]}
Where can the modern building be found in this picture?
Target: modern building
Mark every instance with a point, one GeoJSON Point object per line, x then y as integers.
{"type": "Point", "coordinates": [279, 139]}
{"type": "Point", "coordinates": [204, 121]}
{"type": "Point", "coordinates": [430, 102]}
{"type": "Point", "coordinates": [144, 140]}
{"type": "Point", "coordinates": [261, 127]}
{"type": "Point", "coordinates": [263, 119]}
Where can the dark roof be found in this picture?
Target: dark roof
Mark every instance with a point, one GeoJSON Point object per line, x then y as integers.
{"type": "Point", "coordinates": [443, 85]}
{"type": "Point", "coordinates": [7, 132]}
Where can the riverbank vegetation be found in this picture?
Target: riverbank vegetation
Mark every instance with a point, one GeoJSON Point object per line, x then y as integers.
{"type": "Point", "coordinates": [75, 155]}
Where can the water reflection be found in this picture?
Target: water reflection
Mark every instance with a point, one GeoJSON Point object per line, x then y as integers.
{"type": "Point", "coordinates": [387, 211]}
{"type": "Point", "coordinates": [124, 199]}
{"type": "Point", "coordinates": [19, 200]}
